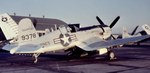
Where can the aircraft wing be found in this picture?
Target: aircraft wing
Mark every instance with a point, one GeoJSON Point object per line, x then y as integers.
{"type": "Point", "coordinates": [30, 48]}
{"type": "Point", "coordinates": [96, 43]}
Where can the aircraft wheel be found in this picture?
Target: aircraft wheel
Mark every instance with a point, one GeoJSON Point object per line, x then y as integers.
{"type": "Point", "coordinates": [111, 55]}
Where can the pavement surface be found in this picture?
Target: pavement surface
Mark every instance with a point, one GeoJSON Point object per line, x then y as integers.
{"type": "Point", "coordinates": [130, 59]}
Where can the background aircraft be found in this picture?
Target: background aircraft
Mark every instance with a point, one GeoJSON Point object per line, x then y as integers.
{"type": "Point", "coordinates": [119, 36]}
{"type": "Point", "coordinates": [140, 33]}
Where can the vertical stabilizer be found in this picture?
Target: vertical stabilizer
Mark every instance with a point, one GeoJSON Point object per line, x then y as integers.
{"type": "Point", "coordinates": [8, 26]}
{"type": "Point", "coordinates": [146, 28]}
{"type": "Point", "coordinates": [125, 33]}
{"type": "Point", "coordinates": [27, 31]}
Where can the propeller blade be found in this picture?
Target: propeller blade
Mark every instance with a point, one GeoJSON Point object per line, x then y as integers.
{"type": "Point", "coordinates": [113, 37]}
{"type": "Point", "coordinates": [114, 22]}
{"type": "Point", "coordinates": [100, 21]}
{"type": "Point", "coordinates": [134, 30]}
{"type": "Point", "coordinates": [102, 28]}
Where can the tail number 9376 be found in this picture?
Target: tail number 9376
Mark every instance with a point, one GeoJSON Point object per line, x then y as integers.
{"type": "Point", "coordinates": [28, 36]}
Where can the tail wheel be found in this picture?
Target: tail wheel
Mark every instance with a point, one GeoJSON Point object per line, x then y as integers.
{"type": "Point", "coordinates": [35, 55]}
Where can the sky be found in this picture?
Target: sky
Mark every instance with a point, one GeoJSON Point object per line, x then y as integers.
{"type": "Point", "coordinates": [131, 12]}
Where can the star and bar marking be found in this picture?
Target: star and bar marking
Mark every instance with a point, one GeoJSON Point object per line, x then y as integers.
{"type": "Point", "coordinates": [65, 39]}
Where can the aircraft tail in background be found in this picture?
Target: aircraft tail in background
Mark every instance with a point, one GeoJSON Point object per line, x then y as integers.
{"type": "Point", "coordinates": [125, 33]}
{"type": "Point", "coordinates": [146, 28]}
{"type": "Point", "coordinates": [8, 26]}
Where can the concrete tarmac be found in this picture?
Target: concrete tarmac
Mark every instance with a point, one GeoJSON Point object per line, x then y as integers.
{"type": "Point", "coordinates": [130, 59]}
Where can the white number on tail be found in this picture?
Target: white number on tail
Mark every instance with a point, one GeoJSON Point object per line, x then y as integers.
{"type": "Point", "coordinates": [29, 36]}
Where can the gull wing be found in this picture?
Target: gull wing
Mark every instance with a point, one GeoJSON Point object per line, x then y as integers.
{"type": "Point", "coordinates": [96, 43]}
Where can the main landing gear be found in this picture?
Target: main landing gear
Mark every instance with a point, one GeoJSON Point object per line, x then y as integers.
{"type": "Point", "coordinates": [35, 55]}
{"type": "Point", "coordinates": [111, 55]}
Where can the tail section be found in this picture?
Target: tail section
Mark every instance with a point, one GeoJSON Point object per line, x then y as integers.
{"type": "Point", "coordinates": [8, 26]}
{"type": "Point", "coordinates": [27, 31]}
{"type": "Point", "coordinates": [146, 28]}
{"type": "Point", "coordinates": [125, 33]}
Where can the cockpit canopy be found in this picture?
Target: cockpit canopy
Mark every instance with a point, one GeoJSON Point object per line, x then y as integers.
{"type": "Point", "coordinates": [64, 29]}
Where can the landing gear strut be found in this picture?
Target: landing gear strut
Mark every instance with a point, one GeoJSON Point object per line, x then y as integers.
{"type": "Point", "coordinates": [35, 55]}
